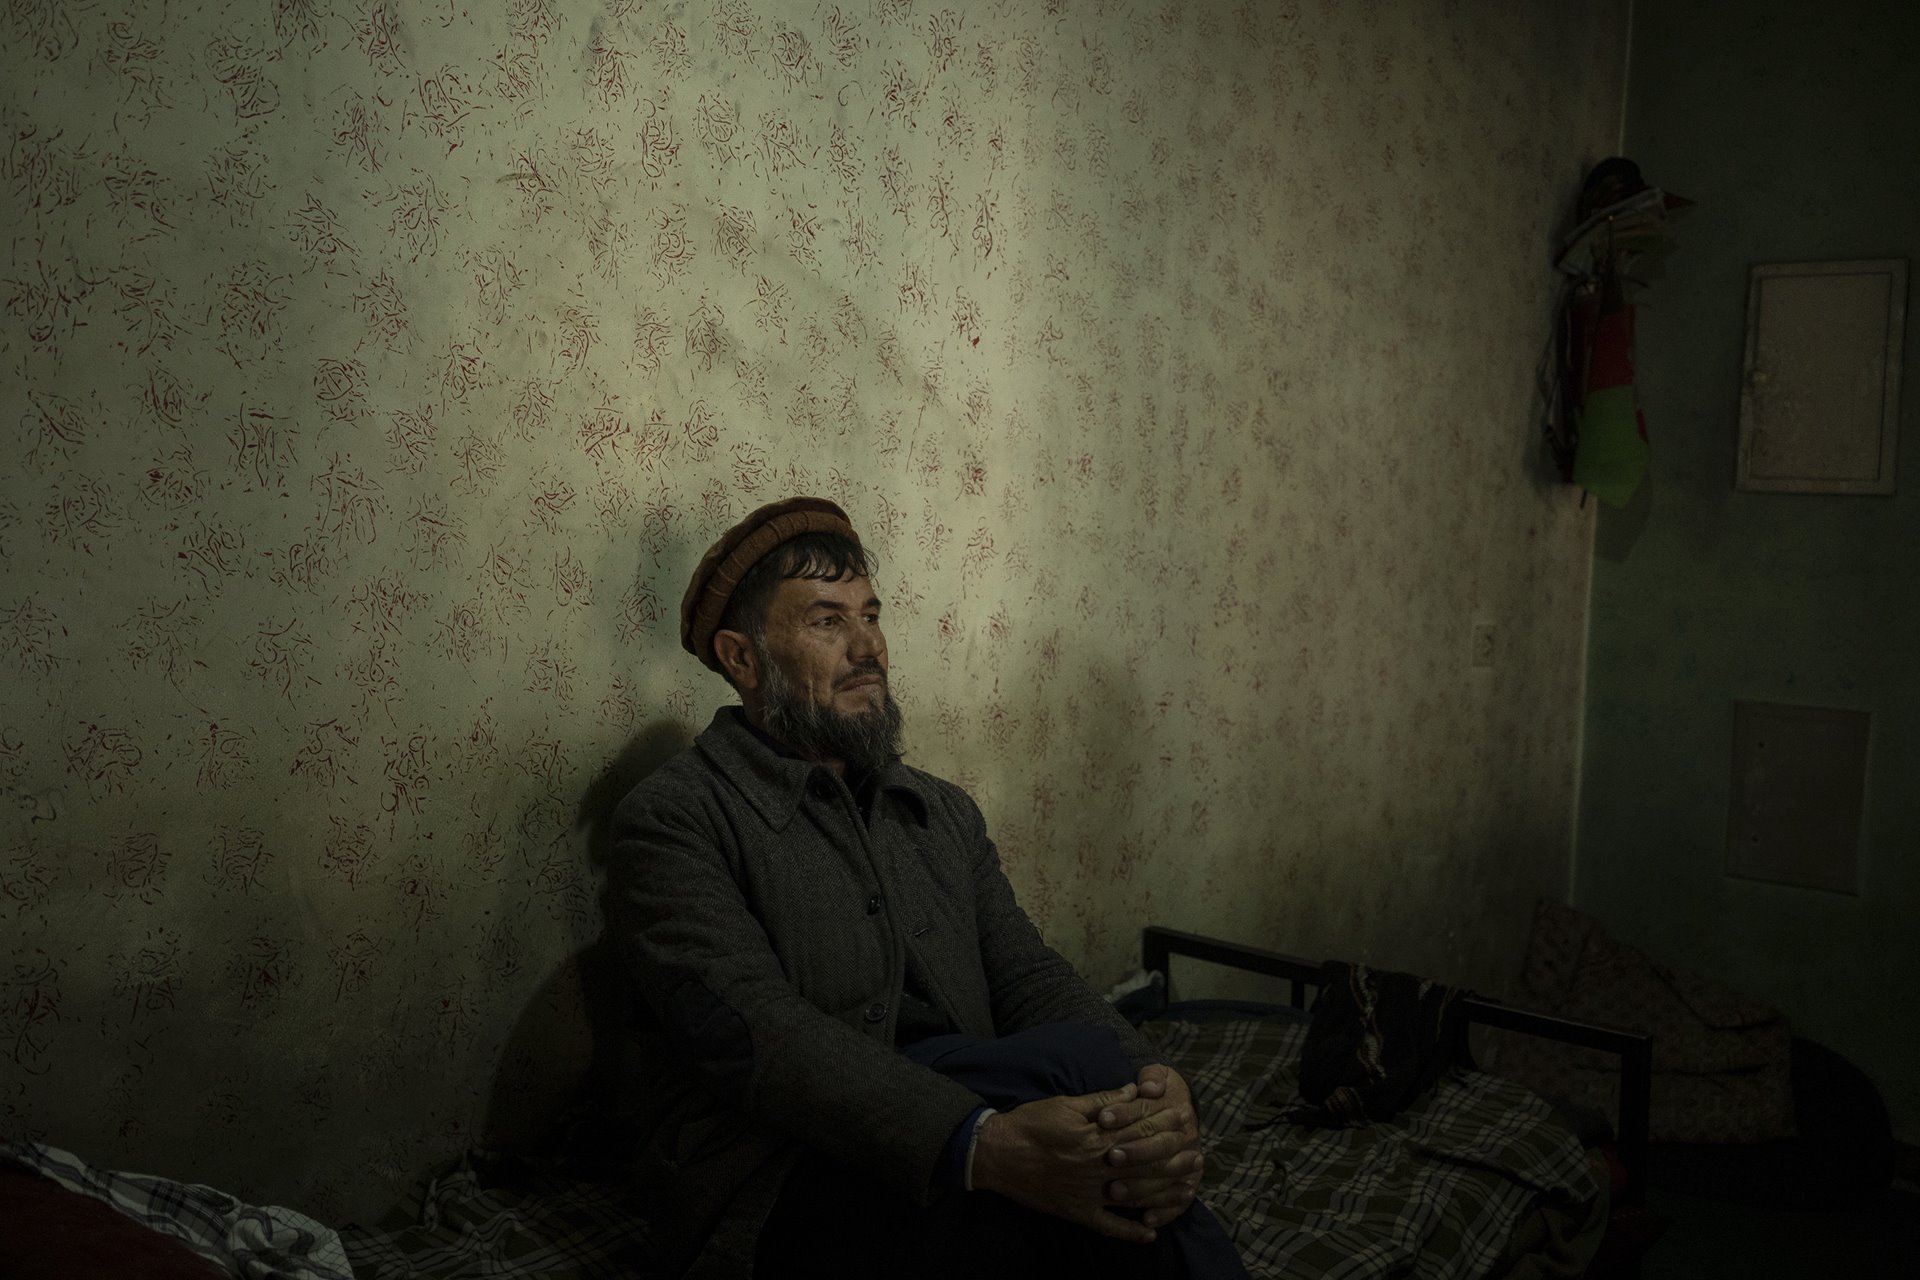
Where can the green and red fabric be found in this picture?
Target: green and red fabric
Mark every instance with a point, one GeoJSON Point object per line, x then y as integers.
{"type": "Point", "coordinates": [1611, 457]}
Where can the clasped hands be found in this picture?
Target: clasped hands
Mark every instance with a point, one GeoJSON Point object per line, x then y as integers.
{"type": "Point", "coordinates": [1137, 1146]}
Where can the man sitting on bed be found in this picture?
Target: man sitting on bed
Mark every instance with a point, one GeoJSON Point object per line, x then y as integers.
{"type": "Point", "coordinates": [862, 1058]}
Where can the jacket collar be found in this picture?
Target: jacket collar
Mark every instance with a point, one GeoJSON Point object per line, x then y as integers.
{"type": "Point", "coordinates": [774, 784]}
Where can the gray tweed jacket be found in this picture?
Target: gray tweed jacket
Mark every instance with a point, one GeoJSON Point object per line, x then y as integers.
{"type": "Point", "coordinates": [770, 931]}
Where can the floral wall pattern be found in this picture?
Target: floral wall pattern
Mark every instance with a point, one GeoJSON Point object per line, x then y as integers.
{"type": "Point", "coordinates": [375, 372]}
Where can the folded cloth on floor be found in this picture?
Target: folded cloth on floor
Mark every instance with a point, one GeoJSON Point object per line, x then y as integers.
{"type": "Point", "coordinates": [256, 1242]}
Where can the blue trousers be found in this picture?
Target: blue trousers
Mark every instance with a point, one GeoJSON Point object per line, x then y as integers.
{"type": "Point", "coordinates": [833, 1221]}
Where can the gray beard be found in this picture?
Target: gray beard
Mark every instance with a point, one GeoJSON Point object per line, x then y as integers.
{"type": "Point", "coordinates": [863, 740]}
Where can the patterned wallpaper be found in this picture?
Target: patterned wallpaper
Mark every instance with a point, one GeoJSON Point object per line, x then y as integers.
{"type": "Point", "coordinates": [376, 372]}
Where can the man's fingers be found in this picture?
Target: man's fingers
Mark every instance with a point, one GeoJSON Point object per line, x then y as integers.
{"type": "Point", "coordinates": [1150, 1193]}
{"type": "Point", "coordinates": [1146, 1115]}
{"type": "Point", "coordinates": [1091, 1105]}
{"type": "Point", "coordinates": [1150, 1150]}
{"type": "Point", "coordinates": [1123, 1114]}
{"type": "Point", "coordinates": [1161, 1217]}
{"type": "Point", "coordinates": [1109, 1223]}
{"type": "Point", "coordinates": [1153, 1081]}
{"type": "Point", "coordinates": [1185, 1167]}
{"type": "Point", "coordinates": [1148, 1123]}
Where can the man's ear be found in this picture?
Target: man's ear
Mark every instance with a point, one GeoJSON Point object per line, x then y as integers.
{"type": "Point", "coordinates": [736, 657]}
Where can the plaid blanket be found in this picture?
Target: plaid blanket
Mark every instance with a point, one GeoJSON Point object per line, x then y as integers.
{"type": "Point", "coordinates": [499, 1216]}
{"type": "Point", "coordinates": [1435, 1192]}
{"type": "Point", "coordinates": [255, 1242]}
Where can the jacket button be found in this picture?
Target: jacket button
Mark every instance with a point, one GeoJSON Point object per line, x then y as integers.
{"type": "Point", "coordinates": [877, 1011]}
{"type": "Point", "coordinates": [873, 905]}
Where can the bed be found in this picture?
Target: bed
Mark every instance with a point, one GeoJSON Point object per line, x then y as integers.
{"type": "Point", "coordinates": [1478, 1178]}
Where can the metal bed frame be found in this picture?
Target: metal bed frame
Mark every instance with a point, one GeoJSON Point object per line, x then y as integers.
{"type": "Point", "coordinates": [1158, 946]}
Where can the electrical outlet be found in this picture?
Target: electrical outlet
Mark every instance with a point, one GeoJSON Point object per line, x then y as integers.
{"type": "Point", "coordinates": [1483, 644]}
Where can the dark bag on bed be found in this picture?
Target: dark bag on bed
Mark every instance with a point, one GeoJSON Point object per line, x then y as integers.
{"type": "Point", "coordinates": [1377, 1041]}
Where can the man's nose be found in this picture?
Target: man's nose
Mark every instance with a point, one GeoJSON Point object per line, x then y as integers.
{"type": "Point", "coordinates": [867, 641]}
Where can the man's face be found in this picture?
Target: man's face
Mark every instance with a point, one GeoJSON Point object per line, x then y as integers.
{"type": "Point", "coordinates": [825, 638]}
{"type": "Point", "coordinates": [822, 686]}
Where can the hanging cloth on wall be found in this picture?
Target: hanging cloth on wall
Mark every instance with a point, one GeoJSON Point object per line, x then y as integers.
{"type": "Point", "coordinates": [1595, 429]}
{"type": "Point", "coordinates": [1611, 457]}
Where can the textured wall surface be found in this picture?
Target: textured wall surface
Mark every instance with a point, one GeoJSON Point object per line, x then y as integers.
{"type": "Point", "coordinates": [1703, 594]}
{"type": "Point", "coordinates": [375, 373]}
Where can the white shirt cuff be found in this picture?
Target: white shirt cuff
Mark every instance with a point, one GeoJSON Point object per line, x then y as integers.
{"type": "Point", "coordinates": [973, 1141]}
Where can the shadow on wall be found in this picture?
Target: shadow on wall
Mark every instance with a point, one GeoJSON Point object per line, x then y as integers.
{"type": "Point", "coordinates": [1614, 535]}
{"type": "Point", "coordinates": [569, 1044]}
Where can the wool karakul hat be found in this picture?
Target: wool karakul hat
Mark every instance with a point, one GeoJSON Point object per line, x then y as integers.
{"type": "Point", "coordinates": [738, 550]}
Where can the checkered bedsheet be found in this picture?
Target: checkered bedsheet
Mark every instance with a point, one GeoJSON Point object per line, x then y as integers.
{"type": "Point", "coordinates": [254, 1242]}
{"type": "Point", "coordinates": [500, 1217]}
{"type": "Point", "coordinates": [1435, 1193]}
